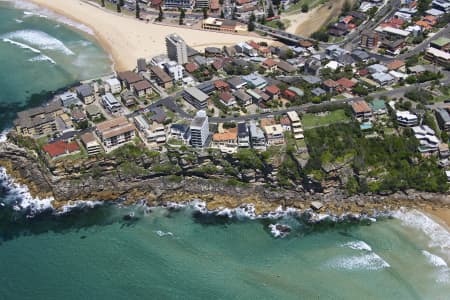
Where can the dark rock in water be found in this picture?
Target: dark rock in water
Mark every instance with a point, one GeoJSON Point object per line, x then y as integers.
{"type": "Point", "coordinates": [283, 228]}
{"type": "Point", "coordinates": [279, 230]}
{"type": "Point", "coordinates": [128, 217]}
{"type": "Point", "coordinates": [83, 237]}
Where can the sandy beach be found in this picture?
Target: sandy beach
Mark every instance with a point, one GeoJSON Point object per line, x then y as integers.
{"type": "Point", "coordinates": [442, 215]}
{"type": "Point", "coordinates": [127, 39]}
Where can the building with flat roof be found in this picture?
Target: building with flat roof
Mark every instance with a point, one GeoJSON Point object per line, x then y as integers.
{"type": "Point", "coordinates": [161, 77]}
{"type": "Point", "coordinates": [90, 143]}
{"type": "Point", "coordinates": [115, 132]}
{"type": "Point", "coordinates": [428, 142]}
{"type": "Point", "coordinates": [196, 97]}
{"type": "Point", "coordinates": [257, 137]}
{"type": "Point", "coordinates": [38, 121]}
{"type": "Point", "coordinates": [172, 4]}
{"type": "Point", "coordinates": [406, 118]}
{"type": "Point", "coordinates": [176, 49]}
{"type": "Point", "coordinates": [114, 85]}
{"type": "Point", "coordinates": [219, 24]}
{"type": "Point", "coordinates": [443, 118]}
{"type": "Point", "coordinates": [438, 56]}
{"type": "Point", "coordinates": [111, 103]}
{"type": "Point", "coordinates": [255, 81]}
{"type": "Point", "coordinates": [243, 135]}
{"type": "Point", "coordinates": [274, 134]}
{"type": "Point", "coordinates": [199, 130]}
{"type": "Point", "coordinates": [296, 125]}
{"type": "Point", "coordinates": [68, 99]}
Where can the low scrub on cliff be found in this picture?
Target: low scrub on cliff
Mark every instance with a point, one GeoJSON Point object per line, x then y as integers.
{"type": "Point", "coordinates": [399, 165]}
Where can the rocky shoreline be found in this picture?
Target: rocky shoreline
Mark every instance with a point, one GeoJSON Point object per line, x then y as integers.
{"type": "Point", "coordinates": [28, 168]}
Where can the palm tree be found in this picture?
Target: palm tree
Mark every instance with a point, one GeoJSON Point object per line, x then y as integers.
{"type": "Point", "coordinates": [103, 3]}
{"type": "Point", "coordinates": [119, 10]}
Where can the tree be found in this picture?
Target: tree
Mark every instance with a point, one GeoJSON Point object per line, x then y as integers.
{"type": "Point", "coordinates": [305, 8]}
{"type": "Point", "coordinates": [205, 13]}
{"type": "Point", "coordinates": [270, 13]}
{"type": "Point", "coordinates": [119, 10]}
{"type": "Point", "coordinates": [160, 15]}
{"type": "Point", "coordinates": [138, 10]}
{"type": "Point", "coordinates": [372, 11]}
{"type": "Point", "coordinates": [222, 15]}
{"type": "Point", "coordinates": [233, 15]}
{"type": "Point", "coordinates": [251, 26]}
{"type": "Point", "coordinates": [346, 7]}
{"type": "Point", "coordinates": [423, 5]}
{"type": "Point", "coordinates": [182, 14]}
{"type": "Point", "coordinates": [103, 3]}
{"type": "Point", "coordinates": [276, 2]}
{"type": "Point", "coordinates": [121, 2]}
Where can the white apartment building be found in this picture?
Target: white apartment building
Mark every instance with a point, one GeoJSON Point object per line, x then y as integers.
{"type": "Point", "coordinates": [176, 49]}
{"type": "Point", "coordinates": [296, 125]}
{"type": "Point", "coordinates": [199, 129]}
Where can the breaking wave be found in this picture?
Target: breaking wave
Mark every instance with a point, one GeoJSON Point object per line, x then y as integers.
{"type": "Point", "coordinates": [42, 57]}
{"type": "Point", "coordinates": [31, 10]}
{"type": "Point", "coordinates": [357, 245]}
{"type": "Point", "coordinates": [21, 45]}
{"type": "Point", "coordinates": [370, 261]}
{"type": "Point", "coordinates": [38, 39]}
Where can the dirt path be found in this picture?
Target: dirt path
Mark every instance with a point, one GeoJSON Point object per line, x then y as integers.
{"type": "Point", "coordinates": [307, 23]}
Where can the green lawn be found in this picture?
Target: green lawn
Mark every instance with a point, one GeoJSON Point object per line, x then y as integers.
{"type": "Point", "coordinates": [332, 117]}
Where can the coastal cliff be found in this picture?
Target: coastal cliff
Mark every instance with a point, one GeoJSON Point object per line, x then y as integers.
{"type": "Point", "coordinates": [177, 176]}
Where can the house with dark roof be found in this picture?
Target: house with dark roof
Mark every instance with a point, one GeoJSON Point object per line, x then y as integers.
{"type": "Point", "coordinates": [286, 67]}
{"type": "Point", "coordinates": [142, 88]}
{"type": "Point", "coordinates": [127, 78]}
{"type": "Point", "coordinates": [243, 98]}
{"type": "Point", "coordinates": [86, 93]}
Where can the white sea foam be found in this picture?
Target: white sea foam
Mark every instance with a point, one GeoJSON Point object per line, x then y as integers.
{"type": "Point", "coordinates": [162, 233]}
{"type": "Point", "coordinates": [33, 10]}
{"type": "Point", "coordinates": [279, 230]}
{"type": "Point", "coordinates": [438, 235]}
{"type": "Point", "coordinates": [370, 261]}
{"type": "Point", "coordinates": [42, 57]}
{"type": "Point", "coordinates": [357, 245]}
{"type": "Point", "coordinates": [18, 21]}
{"type": "Point", "coordinates": [21, 45]}
{"type": "Point", "coordinates": [78, 204]}
{"type": "Point", "coordinates": [4, 135]}
{"type": "Point", "coordinates": [20, 196]}
{"type": "Point", "coordinates": [38, 39]}
{"type": "Point", "coordinates": [434, 259]}
{"type": "Point", "coordinates": [443, 271]}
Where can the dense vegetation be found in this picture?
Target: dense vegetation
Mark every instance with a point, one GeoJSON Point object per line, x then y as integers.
{"type": "Point", "coordinates": [384, 164]}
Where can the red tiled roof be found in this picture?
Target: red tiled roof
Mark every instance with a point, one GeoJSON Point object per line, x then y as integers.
{"type": "Point", "coordinates": [395, 64]}
{"type": "Point", "coordinates": [60, 147]}
{"type": "Point", "coordinates": [272, 89]}
{"type": "Point", "coordinates": [330, 83]}
{"type": "Point", "coordinates": [289, 94]}
{"type": "Point", "coordinates": [347, 19]}
{"type": "Point", "coordinates": [269, 62]}
{"type": "Point", "coordinates": [219, 84]}
{"type": "Point", "coordinates": [363, 72]}
{"type": "Point", "coordinates": [285, 121]}
{"type": "Point", "coordinates": [226, 97]}
{"type": "Point", "coordinates": [361, 107]}
{"type": "Point", "coordinates": [253, 44]}
{"type": "Point", "coordinates": [191, 67]}
{"type": "Point", "coordinates": [346, 83]}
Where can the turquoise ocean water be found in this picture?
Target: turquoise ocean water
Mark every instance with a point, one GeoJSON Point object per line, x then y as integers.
{"type": "Point", "coordinates": [94, 253]}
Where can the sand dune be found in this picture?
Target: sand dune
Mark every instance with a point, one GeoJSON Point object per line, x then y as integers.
{"type": "Point", "coordinates": [127, 38]}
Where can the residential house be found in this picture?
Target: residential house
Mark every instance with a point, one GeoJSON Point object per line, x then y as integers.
{"type": "Point", "coordinates": [269, 65]}
{"type": "Point", "coordinates": [115, 132]}
{"type": "Point", "coordinates": [90, 143]}
{"type": "Point", "coordinates": [396, 65]}
{"type": "Point", "coordinates": [330, 85]}
{"type": "Point", "coordinates": [180, 132]}
{"type": "Point", "coordinates": [273, 91]}
{"type": "Point", "coordinates": [428, 142]}
{"type": "Point", "coordinates": [377, 68]}
{"type": "Point", "coordinates": [255, 81]}
{"type": "Point", "coordinates": [296, 125]}
{"type": "Point", "coordinates": [383, 79]}
{"type": "Point", "coordinates": [361, 110]}
{"type": "Point", "coordinates": [318, 92]}
{"type": "Point", "coordinates": [312, 80]}
{"type": "Point", "coordinates": [443, 118]}
{"type": "Point", "coordinates": [236, 82]}
{"type": "Point", "coordinates": [406, 118]}
{"type": "Point", "coordinates": [38, 121]}
{"type": "Point", "coordinates": [257, 137]}
{"type": "Point", "coordinates": [444, 151]}
{"type": "Point", "coordinates": [196, 97]}
{"type": "Point", "coordinates": [378, 107]}
{"type": "Point", "coordinates": [243, 136]}
{"type": "Point", "coordinates": [345, 84]}
{"type": "Point", "coordinates": [127, 78]}
{"type": "Point", "coordinates": [369, 39]}
{"type": "Point", "coordinates": [286, 67]}
{"type": "Point", "coordinates": [161, 77]}
{"type": "Point", "coordinates": [142, 88]}
{"type": "Point", "coordinates": [111, 103]}
{"type": "Point", "coordinates": [243, 98]}
{"type": "Point", "coordinates": [128, 98]}
{"type": "Point", "coordinates": [208, 87]}
{"type": "Point", "coordinates": [191, 67]}
{"type": "Point", "coordinates": [227, 99]}
{"type": "Point", "coordinates": [438, 56]}
{"type": "Point", "coordinates": [312, 66]}
{"type": "Point", "coordinates": [86, 93]}
{"type": "Point", "coordinates": [274, 134]}
{"type": "Point", "coordinates": [69, 99]}
{"type": "Point", "coordinates": [226, 141]}
{"type": "Point", "coordinates": [114, 85]}
{"type": "Point", "coordinates": [221, 86]}
{"type": "Point", "coordinates": [93, 112]}
{"type": "Point", "coordinates": [285, 122]}
{"type": "Point", "coordinates": [155, 135]}
{"type": "Point", "coordinates": [61, 148]}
